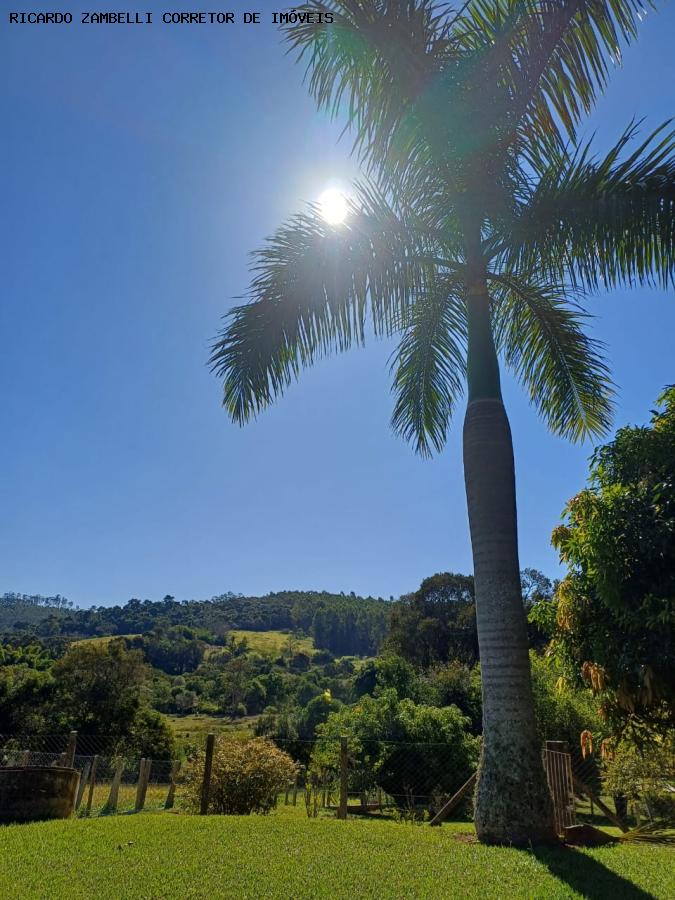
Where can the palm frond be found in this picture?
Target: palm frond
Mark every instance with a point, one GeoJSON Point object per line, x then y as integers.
{"type": "Point", "coordinates": [540, 333]}
{"type": "Point", "coordinates": [552, 56]}
{"type": "Point", "coordinates": [603, 222]}
{"type": "Point", "coordinates": [657, 833]}
{"type": "Point", "coordinates": [375, 64]}
{"type": "Point", "coordinates": [429, 366]}
{"type": "Point", "coordinates": [309, 295]}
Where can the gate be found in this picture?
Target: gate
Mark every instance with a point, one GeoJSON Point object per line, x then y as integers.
{"type": "Point", "coordinates": [558, 765]}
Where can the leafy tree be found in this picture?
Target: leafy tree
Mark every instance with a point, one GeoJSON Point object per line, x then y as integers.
{"type": "Point", "coordinates": [25, 697]}
{"type": "Point", "coordinates": [436, 623]}
{"type": "Point", "coordinates": [389, 672]}
{"type": "Point", "coordinates": [149, 734]}
{"type": "Point", "coordinates": [645, 777]}
{"type": "Point", "coordinates": [98, 687]}
{"type": "Point", "coordinates": [411, 751]}
{"type": "Point", "coordinates": [613, 622]}
{"type": "Point", "coordinates": [234, 683]}
{"type": "Point", "coordinates": [294, 730]}
{"type": "Point", "coordinates": [563, 711]}
{"type": "Point", "coordinates": [480, 222]}
{"type": "Point", "coordinates": [455, 684]}
{"type": "Point", "coordinates": [537, 589]}
{"type": "Point", "coordinates": [174, 650]}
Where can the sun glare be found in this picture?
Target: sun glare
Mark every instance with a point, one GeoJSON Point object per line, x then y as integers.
{"type": "Point", "coordinates": [333, 206]}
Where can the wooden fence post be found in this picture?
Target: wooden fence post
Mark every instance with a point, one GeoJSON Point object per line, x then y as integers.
{"type": "Point", "coordinates": [113, 798]}
{"type": "Point", "coordinates": [84, 777]}
{"type": "Point", "coordinates": [69, 755]}
{"type": "Point", "coordinates": [140, 798]}
{"type": "Point", "coordinates": [344, 773]}
{"type": "Point", "coordinates": [92, 783]}
{"type": "Point", "coordinates": [143, 779]}
{"type": "Point", "coordinates": [583, 788]}
{"type": "Point", "coordinates": [445, 811]}
{"type": "Point", "coordinates": [168, 803]}
{"type": "Point", "coordinates": [208, 766]}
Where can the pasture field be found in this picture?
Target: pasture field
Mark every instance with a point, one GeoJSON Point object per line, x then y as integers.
{"type": "Point", "coordinates": [165, 855]}
{"type": "Point", "coordinates": [272, 643]}
{"type": "Point", "coordinates": [192, 730]}
{"type": "Point", "coordinates": [105, 639]}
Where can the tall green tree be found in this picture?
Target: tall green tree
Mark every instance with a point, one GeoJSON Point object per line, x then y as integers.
{"type": "Point", "coordinates": [612, 623]}
{"type": "Point", "coordinates": [479, 223]}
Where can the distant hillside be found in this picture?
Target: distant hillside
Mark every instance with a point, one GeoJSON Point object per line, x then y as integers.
{"type": "Point", "coordinates": [19, 612]}
{"type": "Point", "coordinates": [344, 624]}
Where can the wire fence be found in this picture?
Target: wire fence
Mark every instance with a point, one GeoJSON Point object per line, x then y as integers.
{"type": "Point", "coordinates": [412, 781]}
{"type": "Point", "coordinates": [634, 800]}
{"type": "Point", "coordinates": [110, 782]}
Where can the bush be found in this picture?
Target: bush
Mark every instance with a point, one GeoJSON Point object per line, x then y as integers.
{"type": "Point", "coordinates": [644, 776]}
{"type": "Point", "coordinates": [246, 777]}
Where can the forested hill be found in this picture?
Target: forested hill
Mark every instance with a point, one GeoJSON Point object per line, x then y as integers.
{"type": "Point", "coordinates": [344, 624]}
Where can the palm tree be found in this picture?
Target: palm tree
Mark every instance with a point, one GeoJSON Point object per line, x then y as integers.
{"type": "Point", "coordinates": [481, 223]}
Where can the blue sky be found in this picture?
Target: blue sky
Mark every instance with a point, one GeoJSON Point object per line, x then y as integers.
{"type": "Point", "coordinates": [140, 165]}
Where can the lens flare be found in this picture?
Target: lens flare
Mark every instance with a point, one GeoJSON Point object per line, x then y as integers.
{"type": "Point", "coordinates": [333, 206]}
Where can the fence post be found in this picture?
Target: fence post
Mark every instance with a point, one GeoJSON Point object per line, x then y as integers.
{"type": "Point", "coordinates": [208, 765]}
{"type": "Point", "coordinates": [92, 783]}
{"type": "Point", "coordinates": [69, 755]}
{"type": "Point", "coordinates": [342, 809]}
{"type": "Point", "coordinates": [140, 794]}
{"type": "Point", "coordinates": [84, 777]}
{"type": "Point", "coordinates": [25, 758]}
{"type": "Point", "coordinates": [168, 803]}
{"type": "Point", "coordinates": [113, 798]}
{"type": "Point", "coordinates": [144, 781]}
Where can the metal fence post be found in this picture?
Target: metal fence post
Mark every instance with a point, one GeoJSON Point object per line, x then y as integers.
{"type": "Point", "coordinates": [208, 766]}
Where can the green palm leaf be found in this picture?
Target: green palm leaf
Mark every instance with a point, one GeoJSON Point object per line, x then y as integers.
{"type": "Point", "coordinates": [379, 64]}
{"type": "Point", "coordinates": [553, 57]}
{"type": "Point", "coordinates": [541, 335]}
{"type": "Point", "coordinates": [603, 222]}
{"type": "Point", "coordinates": [429, 366]}
{"type": "Point", "coordinates": [311, 289]}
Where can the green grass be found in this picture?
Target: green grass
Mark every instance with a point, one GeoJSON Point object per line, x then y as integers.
{"type": "Point", "coordinates": [271, 643]}
{"type": "Point", "coordinates": [285, 855]}
{"type": "Point", "coordinates": [105, 639]}
{"type": "Point", "coordinates": [190, 730]}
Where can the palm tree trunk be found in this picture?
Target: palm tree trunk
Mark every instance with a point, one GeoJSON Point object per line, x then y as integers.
{"type": "Point", "coordinates": [513, 803]}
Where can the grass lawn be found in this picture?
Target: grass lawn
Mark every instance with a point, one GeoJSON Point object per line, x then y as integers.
{"type": "Point", "coordinates": [285, 855]}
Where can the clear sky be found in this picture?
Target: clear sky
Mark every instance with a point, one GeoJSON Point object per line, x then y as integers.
{"type": "Point", "coordinates": [140, 165]}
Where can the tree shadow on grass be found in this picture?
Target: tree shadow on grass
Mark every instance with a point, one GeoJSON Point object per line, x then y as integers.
{"type": "Point", "coordinates": [588, 876]}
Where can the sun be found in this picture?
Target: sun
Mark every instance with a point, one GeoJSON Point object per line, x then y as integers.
{"type": "Point", "coordinates": [333, 206]}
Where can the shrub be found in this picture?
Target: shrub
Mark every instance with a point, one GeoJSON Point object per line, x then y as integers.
{"type": "Point", "coordinates": [645, 776]}
{"type": "Point", "coordinates": [247, 777]}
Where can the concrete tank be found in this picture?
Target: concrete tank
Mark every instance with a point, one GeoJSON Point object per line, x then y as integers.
{"type": "Point", "coordinates": [32, 793]}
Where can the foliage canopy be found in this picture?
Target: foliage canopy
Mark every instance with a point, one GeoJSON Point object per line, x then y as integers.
{"type": "Point", "coordinates": [613, 623]}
